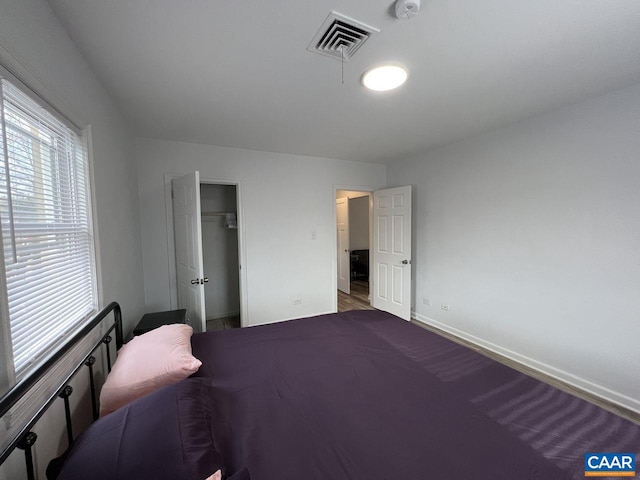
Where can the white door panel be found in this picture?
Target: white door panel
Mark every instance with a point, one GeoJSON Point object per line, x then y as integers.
{"type": "Point", "coordinates": [382, 281]}
{"type": "Point", "coordinates": [342, 238]}
{"type": "Point", "coordinates": [188, 244]}
{"type": "Point", "coordinates": [392, 251]}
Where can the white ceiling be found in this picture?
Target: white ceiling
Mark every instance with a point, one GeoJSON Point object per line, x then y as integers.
{"type": "Point", "coordinates": [237, 73]}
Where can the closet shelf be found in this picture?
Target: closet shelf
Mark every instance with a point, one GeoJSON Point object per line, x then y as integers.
{"type": "Point", "coordinates": [230, 219]}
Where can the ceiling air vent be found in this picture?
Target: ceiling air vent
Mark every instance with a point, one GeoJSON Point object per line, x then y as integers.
{"type": "Point", "coordinates": [340, 35]}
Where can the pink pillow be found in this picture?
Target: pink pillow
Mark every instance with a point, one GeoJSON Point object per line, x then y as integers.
{"type": "Point", "coordinates": [158, 358]}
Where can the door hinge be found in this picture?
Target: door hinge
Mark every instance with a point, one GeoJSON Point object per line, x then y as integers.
{"type": "Point", "coordinates": [172, 193]}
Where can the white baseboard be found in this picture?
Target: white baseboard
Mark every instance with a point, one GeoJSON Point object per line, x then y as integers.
{"type": "Point", "coordinates": [561, 375]}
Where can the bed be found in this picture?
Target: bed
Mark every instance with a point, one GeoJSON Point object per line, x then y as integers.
{"type": "Point", "coordinates": [366, 395]}
{"type": "Point", "coordinates": [355, 395]}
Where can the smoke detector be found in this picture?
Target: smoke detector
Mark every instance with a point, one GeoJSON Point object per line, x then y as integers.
{"type": "Point", "coordinates": [406, 9]}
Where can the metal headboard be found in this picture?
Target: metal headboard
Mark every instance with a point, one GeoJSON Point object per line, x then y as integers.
{"type": "Point", "coordinates": [25, 439]}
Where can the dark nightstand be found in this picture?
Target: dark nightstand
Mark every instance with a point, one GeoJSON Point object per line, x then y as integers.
{"type": "Point", "coordinates": [154, 320]}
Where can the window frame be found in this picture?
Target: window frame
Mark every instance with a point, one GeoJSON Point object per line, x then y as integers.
{"type": "Point", "coordinates": [8, 376]}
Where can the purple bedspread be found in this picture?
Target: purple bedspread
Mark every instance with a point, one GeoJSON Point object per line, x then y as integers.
{"type": "Point", "coordinates": [364, 395]}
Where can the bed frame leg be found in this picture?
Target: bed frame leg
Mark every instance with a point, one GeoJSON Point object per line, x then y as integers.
{"type": "Point", "coordinates": [107, 340]}
{"type": "Point", "coordinates": [94, 408]}
{"type": "Point", "coordinates": [66, 392]}
{"type": "Point", "coordinates": [25, 444]}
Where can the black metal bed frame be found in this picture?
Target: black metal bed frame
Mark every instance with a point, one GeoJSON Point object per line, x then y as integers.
{"type": "Point", "coordinates": [25, 439]}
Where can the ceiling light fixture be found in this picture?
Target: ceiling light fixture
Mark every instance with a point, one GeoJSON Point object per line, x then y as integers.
{"type": "Point", "coordinates": [385, 77]}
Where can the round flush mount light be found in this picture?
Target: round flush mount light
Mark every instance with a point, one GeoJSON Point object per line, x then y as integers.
{"type": "Point", "coordinates": [384, 77]}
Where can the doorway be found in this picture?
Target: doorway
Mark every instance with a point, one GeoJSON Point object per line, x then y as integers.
{"type": "Point", "coordinates": [353, 237]}
{"type": "Point", "coordinates": [222, 244]}
{"type": "Point", "coordinates": [219, 210]}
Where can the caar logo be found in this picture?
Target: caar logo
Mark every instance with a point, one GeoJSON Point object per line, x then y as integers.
{"type": "Point", "coordinates": [609, 465]}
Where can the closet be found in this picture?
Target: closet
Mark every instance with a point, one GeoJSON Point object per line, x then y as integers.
{"type": "Point", "coordinates": [219, 211]}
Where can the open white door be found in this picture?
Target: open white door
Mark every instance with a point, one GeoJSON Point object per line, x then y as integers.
{"type": "Point", "coordinates": [392, 251]}
{"type": "Point", "coordinates": [188, 240]}
{"type": "Point", "coordinates": [342, 234]}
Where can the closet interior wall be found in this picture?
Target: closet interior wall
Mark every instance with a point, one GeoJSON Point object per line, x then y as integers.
{"type": "Point", "coordinates": [220, 250]}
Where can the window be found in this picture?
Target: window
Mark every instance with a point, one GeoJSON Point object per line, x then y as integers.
{"type": "Point", "coordinates": [47, 234]}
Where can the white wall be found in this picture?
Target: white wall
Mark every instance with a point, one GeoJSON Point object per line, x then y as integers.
{"type": "Point", "coordinates": [359, 223]}
{"type": "Point", "coordinates": [531, 234]}
{"type": "Point", "coordinates": [350, 194]}
{"type": "Point", "coordinates": [220, 252]}
{"type": "Point", "coordinates": [284, 200]}
{"type": "Point", "coordinates": [37, 48]}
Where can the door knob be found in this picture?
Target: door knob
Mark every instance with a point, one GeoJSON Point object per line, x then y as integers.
{"type": "Point", "coordinates": [205, 280]}
{"type": "Point", "coordinates": [406, 262]}
{"type": "Point", "coordinates": [195, 282]}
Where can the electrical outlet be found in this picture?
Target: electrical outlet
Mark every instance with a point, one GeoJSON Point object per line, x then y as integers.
{"type": "Point", "coordinates": [297, 301]}
{"type": "Point", "coordinates": [445, 307]}
{"type": "Point", "coordinates": [426, 301]}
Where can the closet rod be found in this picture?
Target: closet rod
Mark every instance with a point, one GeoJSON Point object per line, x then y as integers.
{"type": "Point", "coordinates": [215, 214]}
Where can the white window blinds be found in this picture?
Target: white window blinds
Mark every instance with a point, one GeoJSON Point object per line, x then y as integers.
{"type": "Point", "coordinates": [47, 234]}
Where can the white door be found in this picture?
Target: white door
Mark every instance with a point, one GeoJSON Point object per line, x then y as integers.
{"type": "Point", "coordinates": [342, 234]}
{"type": "Point", "coordinates": [188, 240]}
{"type": "Point", "coordinates": [392, 251]}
